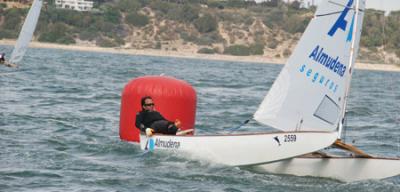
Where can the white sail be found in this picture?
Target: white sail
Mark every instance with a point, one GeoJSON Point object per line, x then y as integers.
{"type": "Point", "coordinates": [308, 94]}
{"type": "Point", "coordinates": [25, 36]}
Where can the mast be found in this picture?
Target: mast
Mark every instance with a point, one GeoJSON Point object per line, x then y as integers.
{"type": "Point", "coordinates": [351, 62]}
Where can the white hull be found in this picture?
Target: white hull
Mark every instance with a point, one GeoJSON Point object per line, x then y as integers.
{"type": "Point", "coordinates": [345, 169]}
{"type": "Point", "coordinates": [246, 149]}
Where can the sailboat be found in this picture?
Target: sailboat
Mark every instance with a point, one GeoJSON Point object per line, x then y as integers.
{"type": "Point", "coordinates": [25, 36]}
{"type": "Point", "coordinates": [314, 84]}
{"type": "Point", "coordinates": [306, 103]}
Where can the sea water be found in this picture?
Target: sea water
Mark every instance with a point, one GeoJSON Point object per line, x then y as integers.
{"type": "Point", "coordinates": [59, 121]}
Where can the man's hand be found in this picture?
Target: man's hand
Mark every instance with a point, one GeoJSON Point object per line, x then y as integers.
{"type": "Point", "coordinates": [149, 132]}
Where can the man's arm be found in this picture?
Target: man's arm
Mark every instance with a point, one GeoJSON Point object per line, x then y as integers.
{"type": "Point", "coordinates": [139, 124]}
{"type": "Point", "coordinates": [171, 122]}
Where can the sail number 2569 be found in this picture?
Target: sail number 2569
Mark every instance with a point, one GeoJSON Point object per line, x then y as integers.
{"type": "Point", "coordinates": [290, 138]}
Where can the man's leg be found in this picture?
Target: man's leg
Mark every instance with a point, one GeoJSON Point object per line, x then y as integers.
{"type": "Point", "coordinates": [172, 129]}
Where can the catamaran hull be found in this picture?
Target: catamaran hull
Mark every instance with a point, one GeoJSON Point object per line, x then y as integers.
{"type": "Point", "coordinates": [239, 150]}
{"type": "Point", "coordinates": [345, 169]}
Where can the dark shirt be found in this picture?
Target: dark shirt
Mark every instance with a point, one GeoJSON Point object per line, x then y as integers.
{"type": "Point", "coordinates": [145, 119]}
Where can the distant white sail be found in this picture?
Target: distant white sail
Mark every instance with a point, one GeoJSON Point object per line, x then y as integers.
{"type": "Point", "coordinates": [25, 36]}
{"type": "Point", "coordinates": [308, 94]}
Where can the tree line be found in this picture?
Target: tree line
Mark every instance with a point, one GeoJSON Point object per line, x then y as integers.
{"type": "Point", "coordinates": [199, 22]}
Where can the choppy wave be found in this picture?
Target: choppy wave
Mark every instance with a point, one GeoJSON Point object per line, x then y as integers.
{"type": "Point", "coordinates": [59, 118]}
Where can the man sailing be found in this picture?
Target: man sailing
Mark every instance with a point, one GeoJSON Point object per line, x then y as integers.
{"type": "Point", "coordinates": [6, 63]}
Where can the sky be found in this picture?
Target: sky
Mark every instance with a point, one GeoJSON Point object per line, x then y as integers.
{"type": "Point", "coordinates": [387, 5]}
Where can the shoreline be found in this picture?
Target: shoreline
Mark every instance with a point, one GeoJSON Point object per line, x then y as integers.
{"type": "Point", "coordinates": [188, 55]}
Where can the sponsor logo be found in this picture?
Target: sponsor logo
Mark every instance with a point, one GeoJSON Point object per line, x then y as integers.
{"type": "Point", "coordinates": [322, 57]}
{"type": "Point", "coordinates": [341, 22]}
{"type": "Point", "coordinates": [170, 144]}
{"type": "Point", "coordinates": [328, 61]}
{"type": "Point", "coordinates": [318, 78]}
{"type": "Point", "coordinates": [151, 144]}
{"type": "Point", "coordinates": [277, 140]}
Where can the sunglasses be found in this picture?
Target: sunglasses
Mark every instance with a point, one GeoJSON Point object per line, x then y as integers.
{"type": "Point", "coordinates": [148, 104]}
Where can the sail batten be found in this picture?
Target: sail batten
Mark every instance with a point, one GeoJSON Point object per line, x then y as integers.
{"type": "Point", "coordinates": [25, 36]}
{"type": "Point", "coordinates": [309, 93]}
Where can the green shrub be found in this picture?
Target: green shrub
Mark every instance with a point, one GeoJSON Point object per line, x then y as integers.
{"type": "Point", "coordinates": [203, 40]}
{"type": "Point", "coordinates": [158, 45]}
{"type": "Point", "coordinates": [137, 20]}
{"type": "Point", "coordinates": [47, 37]}
{"type": "Point", "coordinates": [8, 34]}
{"type": "Point", "coordinates": [187, 37]}
{"type": "Point", "coordinates": [53, 37]}
{"type": "Point", "coordinates": [296, 24]}
{"type": "Point", "coordinates": [238, 50]}
{"type": "Point", "coordinates": [236, 18]}
{"type": "Point", "coordinates": [3, 5]}
{"type": "Point", "coordinates": [272, 43]}
{"type": "Point", "coordinates": [216, 4]}
{"type": "Point", "coordinates": [397, 52]}
{"type": "Point", "coordinates": [119, 41]}
{"type": "Point", "coordinates": [287, 52]}
{"type": "Point", "coordinates": [208, 38]}
{"type": "Point", "coordinates": [206, 51]}
{"type": "Point", "coordinates": [189, 13]}
{"type": "Point", "coordinates": [248, 20]}
{"type": "Point", "coordinates": [213, 37]}
{"type": "Point", "coordinates": [162, 6]}
{"type": "Point", "coordinates": [371, 41]}
{"type": "Point", "coordinates": [88, 35]}
{"type": "Point", "coordinates": [104, 42]}
{"type": "Point", "coordinates": [66, 40]}
{"type": "Point", "coordinates": [274, 17]}
{"type": "Point", "coordinates": [372, 29]}
{"type": "Point", "coordinates": [56, 33]}
{"type": "Point", "coordinates": [112, 15]}
{"type": "Point", "coordinates": [295, 5]}
{"type": "Point", "coordinates": [256, 49]}
{"type": "Point", "coordinates": [271, 3]}
{"type": "Point", "coordinates": [242, 50]}
{"type": "Point", "coordinates": [12, 19]}
{"type": "Point", "coordinates": [129, 5]}
{"type": "Point", "coordinates": [103, 26]}
{"type": "Point", "coordinates": [206, 24]}
{"type": "Point", "coordinates": [186, 13]}
{"type": "Point", "coordinates": [236, 3]}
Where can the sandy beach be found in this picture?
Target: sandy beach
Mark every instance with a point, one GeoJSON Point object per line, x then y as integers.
{"type": "Point", "coordinates": [180, 54]}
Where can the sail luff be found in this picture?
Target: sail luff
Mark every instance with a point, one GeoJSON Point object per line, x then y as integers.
{"type": "Point", "coordinates": [25, 36]}
{"type": "Point", "coordinates": [353, 53]}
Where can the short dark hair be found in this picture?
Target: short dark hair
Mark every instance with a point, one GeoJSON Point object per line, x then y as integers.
{"type": "Point", "coordinates": [144, 99]}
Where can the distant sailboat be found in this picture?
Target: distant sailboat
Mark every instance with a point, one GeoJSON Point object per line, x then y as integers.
{"type": "Point", "coordinates": [312, 91]}
{"type": "Point", "coordinates": [26, 34]}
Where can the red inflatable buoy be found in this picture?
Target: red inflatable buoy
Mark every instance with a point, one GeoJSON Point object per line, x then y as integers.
{"type": "Point", "coordinates": [173, 98]}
